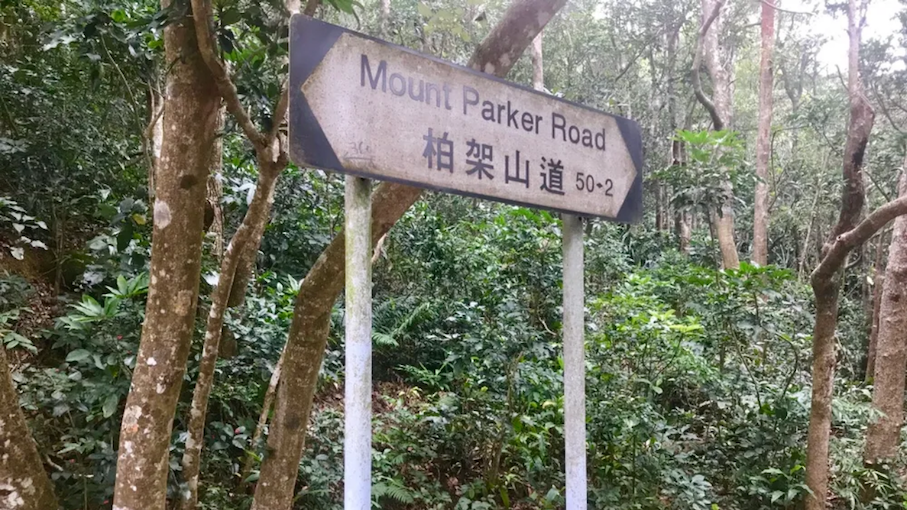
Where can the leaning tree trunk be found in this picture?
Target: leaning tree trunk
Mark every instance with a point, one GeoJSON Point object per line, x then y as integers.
{"type": "Point", "coordinates": [306, 341]}
{"type": "Point", "coordinates": [825, 278]}
{"type": "Point", "coordinates": [24, 485]}
{"type": "Point", "coordinates": [884, 434]}
{"type": "Point", "coordinates": [763, 141]}
{"type": "Point", "coordinates": [189, 134]}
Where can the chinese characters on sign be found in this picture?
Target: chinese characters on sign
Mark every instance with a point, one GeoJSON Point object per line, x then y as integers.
{"type": "Point", "coordinates": [439, 152]}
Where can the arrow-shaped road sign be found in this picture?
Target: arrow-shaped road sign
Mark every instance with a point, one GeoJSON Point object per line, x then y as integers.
{"type": "Point", "coordinates": [366, 107]}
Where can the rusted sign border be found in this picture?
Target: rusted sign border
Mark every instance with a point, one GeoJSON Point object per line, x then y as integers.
{"type": "Point", "coordinates": [310, 42]}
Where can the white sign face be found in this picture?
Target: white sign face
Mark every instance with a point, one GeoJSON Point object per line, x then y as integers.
{"type": "Point", "coordinates": [369, 108]}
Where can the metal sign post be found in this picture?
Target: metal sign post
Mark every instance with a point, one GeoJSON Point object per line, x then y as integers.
{"type": "Point", "coordinates": [574, 328]}
{"type": "Point", "coordinates": [357, 395]}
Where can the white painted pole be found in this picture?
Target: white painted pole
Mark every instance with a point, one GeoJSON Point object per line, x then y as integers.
{"type": "Point", "coordinates": [357, 424]}
{"type": "Point", "coordinates": [574, 364]}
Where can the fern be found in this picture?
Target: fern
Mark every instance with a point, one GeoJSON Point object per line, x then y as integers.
{"type": "Point", "coordinates": [395, 490]}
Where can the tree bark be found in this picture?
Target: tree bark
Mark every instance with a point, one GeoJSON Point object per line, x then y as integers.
{"type": "Point", "coordinates": [189, 135]}
{"type": "Point", "coordinates": [24, 485]}
{"type": "Point", "coordinates": [824, 278]}
{"type": "Point", "coordinates": [763, 142]}
{"type": "Point", "coordinates": [883, 434]}
{"type": "Point", "coordinates": [322, 285]}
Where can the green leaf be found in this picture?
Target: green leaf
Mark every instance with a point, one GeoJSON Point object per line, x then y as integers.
{"type": "Point", "coordinates": [118, 15]}
{"type": "Point", "coordinates": [110, 405]}
{"type": "Point", "coordinates": [424, 10]}
{"type": "Point", "coordinates": [78, 355]}
{"type": "Point", "coordinates": [776, 495]}
{"type": "Point", "coordinates": [229, 17]}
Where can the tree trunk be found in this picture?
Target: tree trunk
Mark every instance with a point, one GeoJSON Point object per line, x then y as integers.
{"type": "Point", "coordinates": [720, 109]}
{"type": "Point", "coordinates": [245, 267]}
{"type": "Point", "coordinates": [214, 213]}
{"type": "Point", "coordinates": [538, 70]}
{"type": "Point", "coordinates": [884, 434]}
{"type": "Point", "coordinates": [24, 485]}
{"type": "Point", "coordinates": [246, 239]}
{"type": "Point", "coordinates": [878, 287]}
{"type": "Point", "coordinates": [683, 230]}
{"type": "Point", "coordinates": [385, 17]}
{"type": "Point", "coordinates": [189, 135]}
{"type": "Point", "coordinates": [322, 285]}
{"type": "Point", "coordinates": [801, 266]}
{"type": "Point", "coordinates": [763, 142]}
{"type": "Point", "coordinates": [262, 420]}
{"type": "Point", "coordinates": [824, 278]}
{"type": "Point", "coordinates": [153, 135]}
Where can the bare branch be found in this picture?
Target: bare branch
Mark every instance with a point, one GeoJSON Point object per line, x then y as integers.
{"type": "Point", "coordinates": [697, 64]}
{"type": "Point", "coordinates": [775, 7]}
{"type": "Point", "coordinates": [203, 16]}
{"type": "Point", "coordinates": [280, 111]}
{"type": "Point", "coordinates": [885, 111]}
{"type": "Point", "coordinates": [847, 241]}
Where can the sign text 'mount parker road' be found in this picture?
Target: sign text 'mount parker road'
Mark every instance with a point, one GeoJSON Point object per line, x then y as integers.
{"type": "Point", "coordinates": [370, 108]}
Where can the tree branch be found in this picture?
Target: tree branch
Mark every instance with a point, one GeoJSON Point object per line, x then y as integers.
{"type": "Point", "coordinates": [204, 17]}
{"type": "Point", "coordinates": [697, 64]}
{"type": "Point", "coordinates": [280, 111]}
{"type": "Point", "coordinates": [885, 111]}
{"type": "Point", "coordinates": [775, 7]}
{"type": "Point", "coordinates": [849, 240]}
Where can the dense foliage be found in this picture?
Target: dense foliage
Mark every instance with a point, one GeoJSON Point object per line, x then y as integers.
{"type": "Point", "coordinates": [697, 383]}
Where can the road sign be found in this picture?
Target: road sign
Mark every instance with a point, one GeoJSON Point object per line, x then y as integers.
{"type": "Point", "coordinates": [369, 108]}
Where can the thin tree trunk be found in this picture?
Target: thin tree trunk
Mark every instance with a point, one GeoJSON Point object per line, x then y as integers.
{"type": "Point", "coordinates": [684, 231]}
{"type": "Point", "coordinates": [214, 213]}
{"type": "Point", "coordinates": [884, 434]}
{"type": "Point", "coordinates": [247, 238]}
{"type": "Point", "coordinates": [188, 141]}
{"type": "Point", "coordinates": [262, 420]}
{"type": "Point", "coordinates": [153, 135]}
{"type": "Point", "coordinates": [763, 142]}
{"type": "Point", "coordinates": [824, 279]}
{"type": "Point", "coordinates": [24, 485]}
{"type": "Point", "coordinates": [879, 282]}
{"type": "Point", "coordinates": [720, 110]}
{"type": "Point", "coordinates": [538, 70]}
{"type": "Point", "coordinates": [385, 17]}
{"type": "Point", "coordinates": [801, 267]}
{"type": "Point", "coordinates": [246, 265]}
{"type": "Point", "coordinates": [321, 287]}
